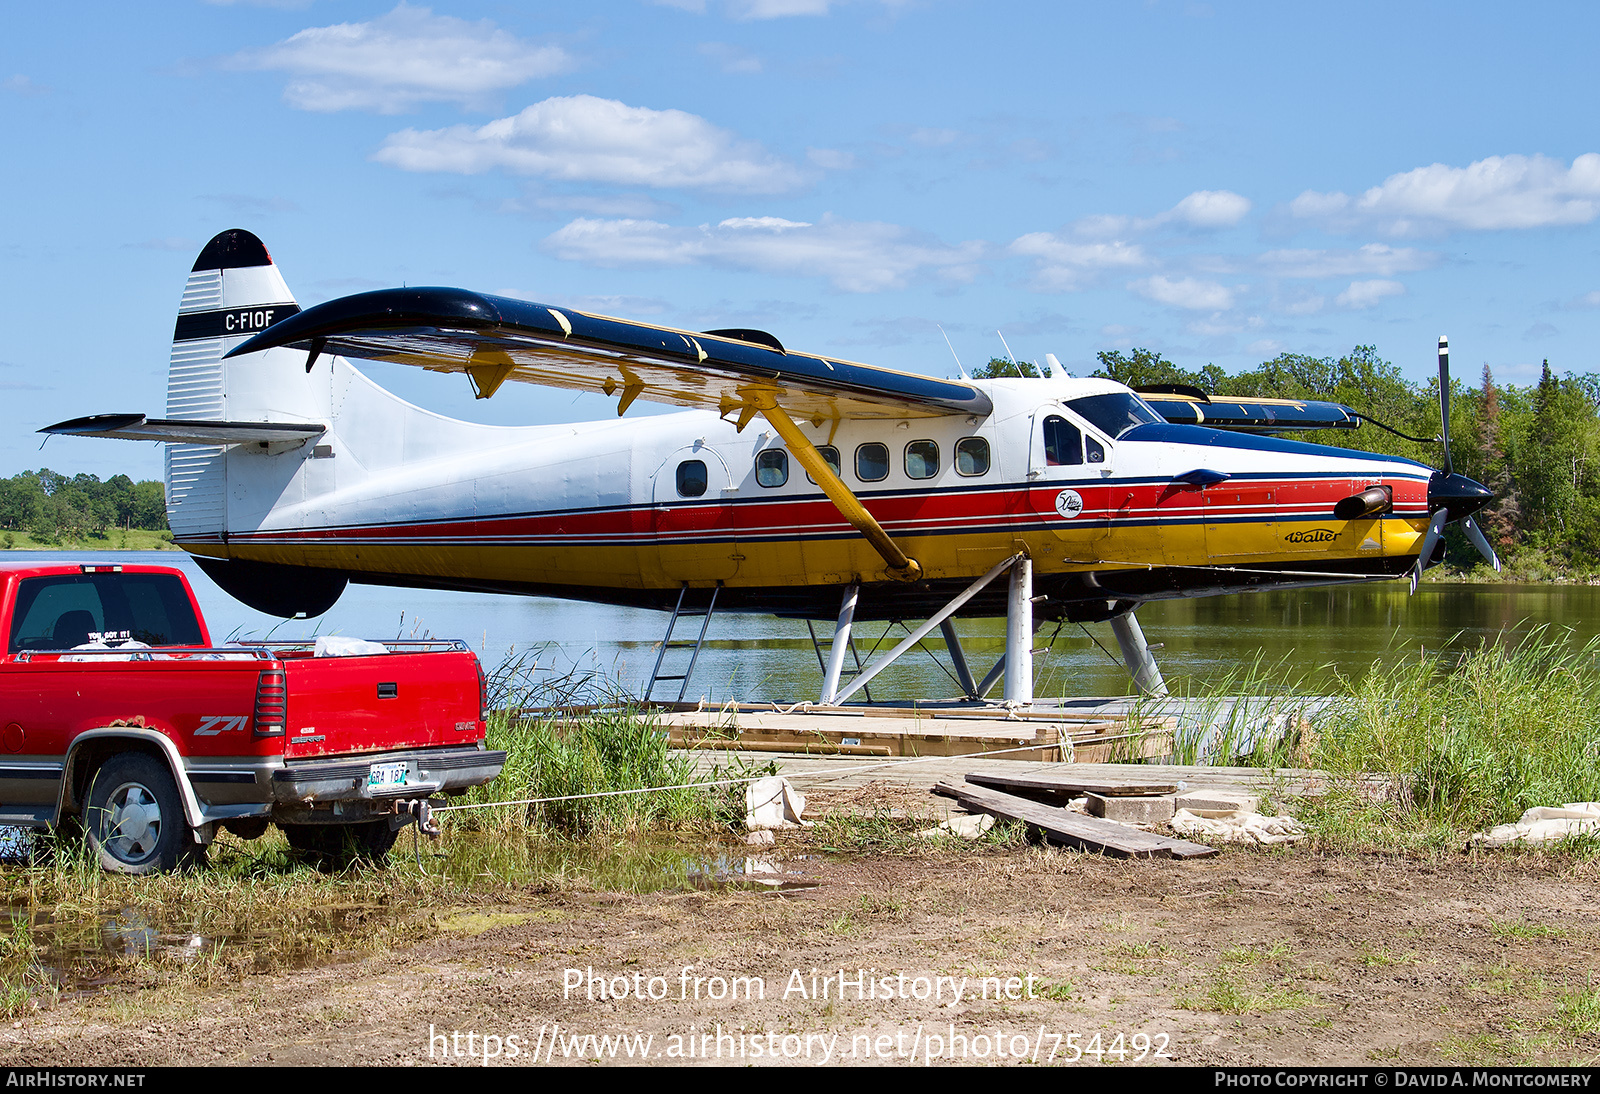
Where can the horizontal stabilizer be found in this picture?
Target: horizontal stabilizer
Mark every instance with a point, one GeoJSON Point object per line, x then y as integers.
{"type": "Point", "coordinates": [136, 427]}
{"type": "Point", "coordinates": [1251, 415]}
{"type": "Point", "coordinates": [494, 339]}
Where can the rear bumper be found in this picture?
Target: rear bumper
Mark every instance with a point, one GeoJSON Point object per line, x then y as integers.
{"type": "Point", "coordinates": [346, 778]}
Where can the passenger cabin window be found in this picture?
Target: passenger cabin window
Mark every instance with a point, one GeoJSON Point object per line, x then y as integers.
{"type": "Point", "coordinates": [58, 613]}
{"type": "Point", "coordinates": [830, 456]}
{"type": "Point", "coordinates": [972, 456]}
{"type": "Point", "coordinates": [1063, 443]}
{"type": "Point", "coordinates": [1115, 413]}
{"type": "Point", "coordinates": [692, 478]}
{"type": "Point", "coordinates": [772, 467]}
{"type": "Point", "coordinates": [922, 459]}
{"type": "Point", "coordinates": [872, 462]}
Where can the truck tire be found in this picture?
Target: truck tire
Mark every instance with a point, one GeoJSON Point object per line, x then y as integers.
{"type": "Point", "coordinates": [133, 820]}
{"type": "Point", "coordinates": [334, 846]}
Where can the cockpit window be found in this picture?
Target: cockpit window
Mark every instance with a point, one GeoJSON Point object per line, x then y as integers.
{"type": "Point", "coordinates": [1063, 444]}
{"type": "Point", "coordinates": [1115, 413]}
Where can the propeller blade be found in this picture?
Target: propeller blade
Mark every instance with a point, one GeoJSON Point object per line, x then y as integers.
{"type": "Point", "coordinates": [1430, 540]}
{"type": "Point", "coordinates": [1444, 401]}
{"type": "Point", "coordinates": [1475, 534]}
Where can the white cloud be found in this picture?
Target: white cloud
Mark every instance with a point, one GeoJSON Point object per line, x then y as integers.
{"type": "Point", "coordinates": [1367, 294]}
{"type": "Point", "coordinates": [1494, 193]}
{"type": "Point", "coordinates": [1209, 209]}
{"type": "Point", "coordinates": [1587, 300]}
{"type": "Point", "coordinates": [831, 159]}
{"type": "Point", "coordinates": [854, 256]}
{"type": "Point", "coordinates": [731, 59]}
{"type": "Point", "coordinates": [746, 10]}
{"type": "Point", "coordinates": [1065, 264]}
{"type": "Point", "coordinates": [582, 138]}
{"type": "Point", "coordinates": [1184, 292]}
{"type": "Point", "coordinates": [606, 205]}
{"type": "Point", "coordinates": [1373, 258]}
{"type": "Point", "coordinates": [24, 86]}
{"type": "Point", "coordinates": [777, 9]}
{"type": "Point", "coordinates": [400, 60]}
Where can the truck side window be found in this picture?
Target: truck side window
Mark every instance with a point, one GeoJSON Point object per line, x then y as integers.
{"type": "Point", "coordinates": [1063, 444]}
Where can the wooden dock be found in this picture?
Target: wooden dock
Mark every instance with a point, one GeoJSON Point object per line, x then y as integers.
{"type": "Point", "coordinates": [1050, 735]}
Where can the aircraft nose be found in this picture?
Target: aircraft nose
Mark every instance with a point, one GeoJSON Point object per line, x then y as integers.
{"type": "Point", "coordinates": [1457, 494]}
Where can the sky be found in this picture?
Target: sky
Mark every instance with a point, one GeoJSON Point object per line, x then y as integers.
{"type": "Point", "coordinates": [1219, 182]}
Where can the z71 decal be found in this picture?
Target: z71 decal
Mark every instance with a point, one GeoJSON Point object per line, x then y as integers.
{"type": "Point", "coordinates": [211, 725]}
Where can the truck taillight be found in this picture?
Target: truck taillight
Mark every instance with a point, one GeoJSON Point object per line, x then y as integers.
{"type": "Point", "coordinates": [483, 694]}
{"type": "Point", "coordinates": [272, 704]}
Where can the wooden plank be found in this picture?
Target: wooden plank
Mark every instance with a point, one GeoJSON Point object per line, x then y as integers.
{"type": "Point", "coordinates": [1067, 784]}
{"type": "Point", "coordinates": [1182, 848]}
{"type": "Point", "coordinates": [1059, 825]}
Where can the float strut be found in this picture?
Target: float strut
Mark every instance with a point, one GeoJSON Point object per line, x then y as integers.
{"type": "Point", "coordinates": [1019, 634]}
{"type": "Point", "coordinates": [1137, 656]}
{"type": "Point", "coordinates": [841, 644]}
{"type": "Point", "coordinates": [958, 658]}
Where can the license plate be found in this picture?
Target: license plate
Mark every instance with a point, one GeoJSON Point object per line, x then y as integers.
{"type": "Point", "coordinates": [383, 776]}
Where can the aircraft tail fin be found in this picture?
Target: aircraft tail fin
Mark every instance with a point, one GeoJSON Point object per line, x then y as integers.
{"type": "Point", "coordinates": [234, 291]}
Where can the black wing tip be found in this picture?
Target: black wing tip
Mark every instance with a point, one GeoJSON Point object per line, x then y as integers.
{"type": "Point", "coordinates": [378, 309]}
{"type": "Point", "coordinates": [94, 423]}
{"type": "Point", "coordinates": [232, 250]}
{"type": "Point", "coordinates": [751, 335]}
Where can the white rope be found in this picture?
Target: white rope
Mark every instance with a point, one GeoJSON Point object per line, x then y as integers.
{"type": "Point", "coordinates": [853, 769]}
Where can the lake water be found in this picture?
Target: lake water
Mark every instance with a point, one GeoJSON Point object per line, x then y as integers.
{"type": "Point", "coordinates": [1312, 632]}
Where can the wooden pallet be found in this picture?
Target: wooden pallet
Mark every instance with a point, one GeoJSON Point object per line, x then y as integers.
{"type": "Point", "coordinates": [1092, 740]}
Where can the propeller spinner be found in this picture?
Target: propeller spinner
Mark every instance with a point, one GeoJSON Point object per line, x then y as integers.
{"type": "Point", "coordinates": [1451, 497]}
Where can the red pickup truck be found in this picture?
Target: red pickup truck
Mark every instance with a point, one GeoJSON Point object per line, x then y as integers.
{"type": "Point", "coordinates": [119, 713]}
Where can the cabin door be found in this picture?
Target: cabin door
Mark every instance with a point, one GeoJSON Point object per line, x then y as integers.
{"type": "Point", "coordinates": [691, 517]}
{"type": "Point", "coordinates": [1068, 469]}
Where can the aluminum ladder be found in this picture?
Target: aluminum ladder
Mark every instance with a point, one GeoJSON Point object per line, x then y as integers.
{"type": "Point", "coordinates": [680, 612]}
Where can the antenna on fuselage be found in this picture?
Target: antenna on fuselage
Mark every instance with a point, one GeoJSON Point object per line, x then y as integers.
{"type": "Point", "coordinates": [1009, 354]}
{"type": "Point", "coordinates": [959, 366]}
{"type": "Point", "coordinates": [1056, 371]}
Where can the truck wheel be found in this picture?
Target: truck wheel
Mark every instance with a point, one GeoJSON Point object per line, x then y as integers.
{"type": "Point", "coordinates": [333, 846]}
{"type": "Point", "coordinates": [134, 821]}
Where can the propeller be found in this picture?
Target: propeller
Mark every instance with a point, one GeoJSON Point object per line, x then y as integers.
{"type": "Point", "coordinates": [1451, 497]}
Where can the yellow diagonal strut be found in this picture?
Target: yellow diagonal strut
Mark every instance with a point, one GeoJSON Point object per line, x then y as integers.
{"type": "Point", "coordinates": [901, 565]}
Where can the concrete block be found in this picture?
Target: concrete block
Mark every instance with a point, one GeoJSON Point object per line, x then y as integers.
{"type": "Point", "coordinates": [1132, 810]}
{"type": "Point", "coordinates": [1218, 801]}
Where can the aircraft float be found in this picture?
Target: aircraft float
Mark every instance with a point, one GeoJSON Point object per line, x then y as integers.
{"type": "Point", "coordinates": [796, 484]}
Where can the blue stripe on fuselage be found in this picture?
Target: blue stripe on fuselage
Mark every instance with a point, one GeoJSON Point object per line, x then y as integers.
{"type": "Point", "coordinates": [1169, 433]}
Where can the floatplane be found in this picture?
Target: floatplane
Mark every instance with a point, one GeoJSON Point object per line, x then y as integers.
{"type": "Point", "coordinates": [797, 484]}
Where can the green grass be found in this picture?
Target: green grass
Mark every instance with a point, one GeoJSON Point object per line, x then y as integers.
{"type": "Point", "coordinates": [1472, 740]}
{"type": "Point", "coordinates": [566, 757]}
{"type": "Point", "coordinates": [116, 539]}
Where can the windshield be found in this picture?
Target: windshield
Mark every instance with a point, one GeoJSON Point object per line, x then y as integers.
{"type": "Point", "coordinates": [1115, 413]}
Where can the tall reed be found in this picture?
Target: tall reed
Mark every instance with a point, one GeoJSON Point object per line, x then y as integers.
{"type": "Point", "coordinates": [1474, 738]}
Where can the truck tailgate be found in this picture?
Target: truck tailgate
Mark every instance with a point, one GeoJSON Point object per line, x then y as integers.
{"type": "Point", "coordinates": [340, 705]}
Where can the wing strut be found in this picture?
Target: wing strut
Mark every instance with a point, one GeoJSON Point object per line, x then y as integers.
{"type": "Point", "coordinates": [901, 565]}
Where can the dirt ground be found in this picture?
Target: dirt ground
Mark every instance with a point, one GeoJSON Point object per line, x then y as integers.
{"type": "Point", "coordinates": [1287, 957]}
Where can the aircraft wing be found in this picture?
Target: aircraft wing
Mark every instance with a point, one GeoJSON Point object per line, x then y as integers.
{"type": "Point", "coordinates": [1250, 415]}
{"type": "Point", "coordinates": [136, 427]}
{"type": "Point", "coordinates": [494, 339]}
